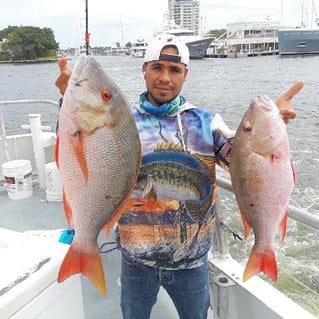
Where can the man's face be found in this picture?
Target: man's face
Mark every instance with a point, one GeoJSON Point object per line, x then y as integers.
{"type": "Point", "coordinates": [164, 80]}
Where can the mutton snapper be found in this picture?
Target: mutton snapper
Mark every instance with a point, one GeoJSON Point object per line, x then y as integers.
{"type": "Point", "coordinates": [171, 173]}
{"type": "Point", "coordinates": [263, 178]}
{"type": "Point", "coordinates": [98, 155]}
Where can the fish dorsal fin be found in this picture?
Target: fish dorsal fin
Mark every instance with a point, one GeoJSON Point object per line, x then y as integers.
{"type": "Point", "coordinates": [169, 146]}
{"type": "Point", "coordinates": [209, 161]}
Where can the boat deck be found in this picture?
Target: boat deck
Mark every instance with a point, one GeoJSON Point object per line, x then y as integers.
{"type": "Point", "coordinates": [35, 216]}
{"type": "Point", "coordinates": [38, 218]}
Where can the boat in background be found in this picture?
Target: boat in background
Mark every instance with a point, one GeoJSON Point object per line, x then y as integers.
{"type": "Point", "coordinates": [82, 49]}
{"type": "Point", "coordinates": [196, 44]}
{"type": "Point", "coordinates": [302, 40]}
{"type": "Point", "coordinates": [187, 29]}
{"type": "Point", "coordinates": [298, 41]}
{"type": "Point", "coordinates": [138, 49]}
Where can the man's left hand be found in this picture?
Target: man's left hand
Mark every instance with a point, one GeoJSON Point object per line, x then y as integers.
{"type": "Point", "coordinates": [284, 102]}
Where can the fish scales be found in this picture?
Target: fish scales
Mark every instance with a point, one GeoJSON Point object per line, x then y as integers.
{"type": "Point", "coordinates": [263, 178]}
{"type": "Point", "coordinates": [172, 173]}
{"type": "Point", "coordinates": [98, 155]}
{"type": "Point", "coordinates": [173, 177]}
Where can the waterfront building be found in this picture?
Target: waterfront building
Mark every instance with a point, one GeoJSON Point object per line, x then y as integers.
{"type": "Point", "coordinates": [186, 14]}
{"type": "Point", "coordinates": [251, 38]}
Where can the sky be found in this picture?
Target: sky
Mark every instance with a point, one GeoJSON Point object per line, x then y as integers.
{"type": "Point", "coordinates": [128, 20]}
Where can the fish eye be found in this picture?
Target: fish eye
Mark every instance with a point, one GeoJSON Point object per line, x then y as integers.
{"type": "Point", "coordinates": [106, 95]}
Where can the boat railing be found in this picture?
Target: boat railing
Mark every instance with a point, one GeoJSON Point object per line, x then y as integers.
{"type": "Point", "coordinates": [15, 102]}
{"type": "Point", "coordinates": [230, 292]}
{"type": "Point", "coordinates": [40, 139]}
{"type": "Point", "coordinates": [298, 214]}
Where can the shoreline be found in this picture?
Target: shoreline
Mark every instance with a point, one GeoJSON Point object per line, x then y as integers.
{"type": "Point", "coordinates": [29, 61]}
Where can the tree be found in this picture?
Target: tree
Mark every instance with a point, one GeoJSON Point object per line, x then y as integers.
{"type": "Point", "coordinates": [28, 43]}
{"type": "Point", "coordinates": [216, 33]}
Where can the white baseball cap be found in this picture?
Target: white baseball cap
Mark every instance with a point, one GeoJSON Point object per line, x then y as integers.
{"type": "Point", "coordinates": [153, 51]}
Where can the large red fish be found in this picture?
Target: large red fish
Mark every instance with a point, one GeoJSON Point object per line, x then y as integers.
{"type": "Point", "coordinates": [98, 155]}
{"type": "Point", "coordinates": [263, 178]}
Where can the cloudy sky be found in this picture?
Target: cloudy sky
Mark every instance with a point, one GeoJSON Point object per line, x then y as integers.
{"type": "Point", "coordinates": [128, 20]}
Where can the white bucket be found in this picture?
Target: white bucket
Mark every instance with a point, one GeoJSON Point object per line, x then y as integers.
{"type": "Point", "coordinates": [18, 178]}
{"type": "Point", "coordinates": [53, 183]}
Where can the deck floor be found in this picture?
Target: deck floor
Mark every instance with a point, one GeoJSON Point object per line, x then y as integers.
{"type": "Point", "coordinates": [32, 214]}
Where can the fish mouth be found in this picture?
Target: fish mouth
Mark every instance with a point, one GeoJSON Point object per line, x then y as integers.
{"type": "Point", "coordinates": [263, 101]}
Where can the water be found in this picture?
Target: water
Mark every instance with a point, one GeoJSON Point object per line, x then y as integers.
{"type": "Point", "coordinates": [225, 86]}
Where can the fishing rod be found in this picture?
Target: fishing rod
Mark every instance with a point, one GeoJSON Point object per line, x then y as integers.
{"type": "Point", "coordinates": [87, 34]}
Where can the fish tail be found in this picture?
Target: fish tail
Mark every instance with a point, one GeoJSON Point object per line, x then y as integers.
{"type": "Point", "coordinates": [87, 263]}
{"type": "Point", "coordinates": [261, 261]}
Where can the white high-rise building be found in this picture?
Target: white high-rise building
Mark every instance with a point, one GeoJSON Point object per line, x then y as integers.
{"type": "Point", "coordinates": [185, 13]}
{"type": "Point", "coordinates": [183, 21]}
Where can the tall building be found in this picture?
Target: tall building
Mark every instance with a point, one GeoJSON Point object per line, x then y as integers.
{"type": "Point", "coordinates": [185, 13]}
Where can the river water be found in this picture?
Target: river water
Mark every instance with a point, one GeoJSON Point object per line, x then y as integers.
{"type": "Point", "coordinates": [226, 86]}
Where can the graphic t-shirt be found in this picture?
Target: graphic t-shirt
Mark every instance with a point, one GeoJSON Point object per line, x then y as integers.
{"type": "Point", "coordinates": [171, 217]}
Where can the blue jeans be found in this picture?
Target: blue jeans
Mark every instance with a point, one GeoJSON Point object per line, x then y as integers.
{"type": "Point", "coordinates": [188, 288]}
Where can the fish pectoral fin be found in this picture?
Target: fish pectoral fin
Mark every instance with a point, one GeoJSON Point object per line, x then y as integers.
{"type": "Point", "coordinates": [152, 195]}
{"type": "Point", "coordinates": [87, 263]}
{"type": "Point", "coordinates": [56, 151]}
{"type": "Point", "coordinates": [283, 226]}
{"type": "Point", "coordinates": [67, 210]}
{"type": "Point", "coordinates": [151, 199]}
{"type": "Point", "coordinates": [112, 220]}
{"type": "Point", "coordinates": [247, 227]}
{"type": "Point", "coordinates": [76, 143]}
{"type": "Point", "coordinates": [293, 172]}
{"type": "Point", "coordinates": [261, 261]}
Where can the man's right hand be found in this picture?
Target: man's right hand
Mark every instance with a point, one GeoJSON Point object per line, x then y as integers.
{"type": "Point", "coordinates": [65, 73]}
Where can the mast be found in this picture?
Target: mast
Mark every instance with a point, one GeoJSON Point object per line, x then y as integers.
{"type": "Point", "coordinates": [281, 11]}
{"type": "Point", "coordinates": [87, 34]}
{"type": "Point", "coordinates": [314, 10]}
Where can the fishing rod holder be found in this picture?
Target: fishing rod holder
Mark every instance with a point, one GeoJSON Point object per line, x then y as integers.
{"type": "Point", "coordinates": [221, 286]}
{"type": "Point", "coordinates": [40, 142]}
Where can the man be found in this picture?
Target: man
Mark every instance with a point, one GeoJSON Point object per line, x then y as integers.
{"type": "Point", "coordinates": [162, 242]}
